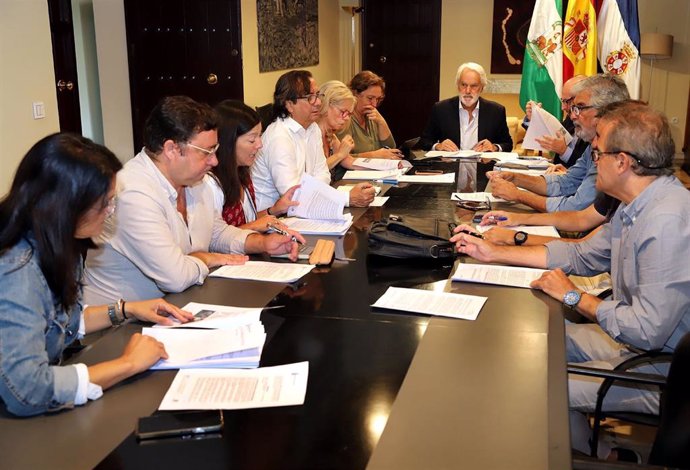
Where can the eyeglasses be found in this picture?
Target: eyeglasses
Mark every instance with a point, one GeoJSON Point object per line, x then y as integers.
{"type": "Point", "coordinates": [567, 101]}
{"type": "Point", "coordinates": [373, 99]}
{"type": "Point", "coordinates": [473, 205]}
{"type": "Point", "coordinates": [311, 97]}
{"type": "Point", "coordinates": [576, 109]}
{"type": "Point", "coordinates": [597, 154]}
{"type": "Point", "coordinates": [208, 152]}
{"type": "Point", "coordinates": [344, 113]}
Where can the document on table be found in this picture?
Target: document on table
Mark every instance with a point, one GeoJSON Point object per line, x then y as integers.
{"type": "Point", "coordinates": [192, 348]}
{"type": "Point", "coordinates": [543, 123]}
{"type": "Point", "coordinates": [317, 200]}
{"type": "Point", "coordinates": [445, 178]}
{"type": "Point", "coordinates": [445, 304]}
{"type": "Point", "coordinates": [371, 175]}
{"type": "Point", "coordinates": [235, 389]}
{"type": "Point", "coordinates": [216, 316]}
{"type": "Point", "coordinates": [381, 164]}
{"type": "Point", "coordinates": [346, 188]}
{"type": "Point", "coordinates": [499, 275]}
{"type": "Point", "coordinates": [543, 230]}
{"type": "Point", "coordinates": [475, 197]}
{"type": "Point", "coordinates": [456, 154]}
{"type": "Point", "coordinates": [264, 271]}
{"type": "Point", "coordinates": [319, 227]}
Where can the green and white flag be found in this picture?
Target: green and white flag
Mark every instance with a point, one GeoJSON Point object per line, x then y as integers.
{"type": "Point", "coordinates": [542, 70]}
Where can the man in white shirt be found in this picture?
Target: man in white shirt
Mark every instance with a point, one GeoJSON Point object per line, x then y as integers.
{"type": "Point", "coordinates": [165, 233]}
{"type": "Point", "coordinates": [293, 144]}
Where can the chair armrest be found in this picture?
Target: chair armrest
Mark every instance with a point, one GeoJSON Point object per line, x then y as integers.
{"type": "Point", "coordinates": [635, 377]}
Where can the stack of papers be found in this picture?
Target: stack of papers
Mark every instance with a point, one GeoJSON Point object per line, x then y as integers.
{"type": "Point", "coordinates": [264, 271]}
{"type": "Point", "coordinates": [381, 164]}
{"type": "Point", "coordinates": [317, 200]}
{"type": "Point", "coordinates": [221, 336]}
{"type": "Point", "coordinates": [543, 123]}
{"type": "Point", "coordinates": [456, 154]}
{"type": "Point", "coordinates": [370, 175]}
{"type": "Point", "coordinates": [319, 227]}
{"type": "Point", "coordinates": [446, 304]}
{"type": "Point", "coordinates": [494, 274]}
{"type": "Point", "coordinates": [525, 163]}
{"type": "Point", "coordinates": [444, 178]}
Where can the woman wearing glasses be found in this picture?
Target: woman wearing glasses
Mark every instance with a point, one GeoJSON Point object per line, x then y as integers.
{"type": "Point", "coordinates": [370, 131]}
{"type": "Point", "coordinates": [239, 136]}
{"type": "Point", "coordinates": [292, 144]}
{"type": "Point", "coordinates": [61, 195]}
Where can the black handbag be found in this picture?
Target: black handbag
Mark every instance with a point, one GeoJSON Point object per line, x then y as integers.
{"type": "Point", "coordinates": [411, 238]}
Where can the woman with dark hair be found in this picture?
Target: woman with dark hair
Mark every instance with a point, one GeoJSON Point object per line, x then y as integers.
{"type": "Point", "coordinates": [370, 131]}
{"type": "Point", "coordinates": [239, 136]}
{"type": "Point", "coordinates": [62, 193]}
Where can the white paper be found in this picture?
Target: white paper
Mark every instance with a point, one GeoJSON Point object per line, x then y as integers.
{"type": "Point", "coordinates": [348, 187]}
{"type": "Point", "coordinates": [216, 316]}
{"type": "Point", "coordinates": [543, 123]}
{"type": "Point", "coordinates": [445, 304]}
{"type": "Point", "coordinates": [456, 154]}
{"type": "Point", "coordinates": [317, 200]}
{"type": "Point", "coordinates": [319, 227]}
{"type": "Point", "coordinates": [370, 175]}
{"type": "Point", "coordinates": [543, 230]}
{"type": "Point", "coordinates": [500, 275]}
{"type": "Point", "coordinates": [533, 163]}
{"type": "Point", "coordinates": [501, 156]}
{"type": "Point", "coordinates": [445, 178]}
{"type": "Point", "coordinates": [186, 345]}
{"type": "Point", "coordinates": [475, 197]}
{"type": "Point", "coordinates": [234, 389]}
{"type": "Point", "coordinates": [264, 271]}
{"type": "Point", "coordinates": [378, 201]}
{"type": "Point", "coordinates": [381, 164]}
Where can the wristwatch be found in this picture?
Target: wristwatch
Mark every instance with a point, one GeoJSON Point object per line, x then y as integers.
{"type": "Point", "coordinates": [520, 238]}
{"type": "Point", "coordinates": [572, 298]}
{"type": "Point", "coordinates": [116, 313]}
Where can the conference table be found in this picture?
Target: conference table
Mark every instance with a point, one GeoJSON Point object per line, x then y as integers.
{"type": "Point", "coordinates": [386, 389]}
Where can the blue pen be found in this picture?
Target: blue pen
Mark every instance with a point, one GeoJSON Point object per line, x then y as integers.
{"type": "Point", "coordinates": [498, 218]}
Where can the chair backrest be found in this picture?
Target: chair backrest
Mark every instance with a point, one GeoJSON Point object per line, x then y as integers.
{"type": "Point", "coordinates": [672, 444]}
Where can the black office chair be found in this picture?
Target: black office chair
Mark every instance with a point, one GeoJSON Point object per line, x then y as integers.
{"type": "Point", "coordinates": [407, 147]}
{"type": "Point", "coordinates": [266, 114]}
{"type": "Point", "coordinates": [671, 446]}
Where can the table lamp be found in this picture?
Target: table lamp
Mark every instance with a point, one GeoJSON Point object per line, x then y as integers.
{"type": "Point", "coordinates": [654, 46]}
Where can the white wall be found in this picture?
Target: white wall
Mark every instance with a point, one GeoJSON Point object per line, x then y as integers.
{"type": "Point", "coordinates": [26, 62]}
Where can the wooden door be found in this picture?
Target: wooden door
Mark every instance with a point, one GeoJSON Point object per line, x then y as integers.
{"type": "Point", "coordinates": [182, 47]}
{"type": "Point", "coordinates": [401, 41]}
{"type": "Point", "coordinates": [65, 65]}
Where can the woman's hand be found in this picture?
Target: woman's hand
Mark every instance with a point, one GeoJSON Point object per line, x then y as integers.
{"type": "Point", "coordinates": [156, 311]}
{"type": "Point", "coordinates": [281, 205]}
{"type": "Point", "coordinates": [142, 352]}
{"type": "Point", "coordinates": [263, 224]}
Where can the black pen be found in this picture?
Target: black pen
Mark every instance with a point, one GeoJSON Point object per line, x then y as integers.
{"type": "Point", "coordinates": [283, 232]}
{"type": "Point", "coordinates": [473, 234]}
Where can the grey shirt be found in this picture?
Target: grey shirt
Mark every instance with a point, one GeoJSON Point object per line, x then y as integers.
{"type": "Point", "coordinates": [646, 247]}
{"type": "Point", "coordinates": [574, 190]}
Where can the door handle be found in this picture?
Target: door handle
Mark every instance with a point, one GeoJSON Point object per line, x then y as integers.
{"type": "Point", "coordinates": [63, 85]}
{"type": "Point", "coordinates": [212, 79]}
{"type": "Point", "coordinates": [383, 59]}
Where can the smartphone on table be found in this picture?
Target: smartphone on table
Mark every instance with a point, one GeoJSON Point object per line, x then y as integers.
{"type": "Point", "coordinates": [179, 423]}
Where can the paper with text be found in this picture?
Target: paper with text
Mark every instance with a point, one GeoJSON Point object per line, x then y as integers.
{"type": "Point", "coordinates": [216, 316]}
{"type": "Point", "coordinates": [500, 275]}
{"type": "Point", "coordinates": [381, 164]}
{"type": "Point", "coordinates": [445, 178]}
{"type": "Point", "coordinates": [317, 200]}
{"type": "Point", "coordinates": [445, 304]}
{"type": "Point", "coordinates": [543, 123]}
{"type": "Point", "coordinates": [475, 197]}
{"type": "Point", "coordinates": [456, 154]}
{"type": "Point", "coordinates": [319, 227]}
{"type": "Point", "coordinates": [234, 389]}
{"type": "Point", "coordinates": [370, 175]}
{"type": "Point", "coordinates": [264, 271]}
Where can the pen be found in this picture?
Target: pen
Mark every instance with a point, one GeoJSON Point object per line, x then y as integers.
{"type": "Point", "coordinates": [477, 235]}
{"type": "Point", "coordinates": [498, 218]}
{"type": "Point", "coordinates": [283, 232]}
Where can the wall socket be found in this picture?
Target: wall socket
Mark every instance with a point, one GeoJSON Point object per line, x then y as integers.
{"type": "Point", "coordinates": [39, 109]}
{"type": "Point", "coordinates": [674, 120]}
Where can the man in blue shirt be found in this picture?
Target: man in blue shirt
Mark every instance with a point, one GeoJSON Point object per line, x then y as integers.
{"type": "Point", "coordinates": [644, 246]}
{"type": "Point", "coordinates": [575, 189]}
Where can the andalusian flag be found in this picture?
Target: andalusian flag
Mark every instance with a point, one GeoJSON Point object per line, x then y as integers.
{"type": "Point", "coordinates": [580, 39]}
{"type": "Point", "coordinates": [619, 42]}
{"type": "Point", "coordinates": [542, 70]}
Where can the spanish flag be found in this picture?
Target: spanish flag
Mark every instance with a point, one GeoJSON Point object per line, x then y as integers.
{"type": "Point", "coordinates": [579, 39]}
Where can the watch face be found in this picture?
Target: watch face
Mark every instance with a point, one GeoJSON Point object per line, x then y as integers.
{"type": "Point", "coordinates": [520, 238]}
{"type": "Point", "coordinates": [571, 298]}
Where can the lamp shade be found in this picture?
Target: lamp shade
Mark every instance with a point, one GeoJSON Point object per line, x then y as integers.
{"type": "Point", "coordinates": [656, 45]}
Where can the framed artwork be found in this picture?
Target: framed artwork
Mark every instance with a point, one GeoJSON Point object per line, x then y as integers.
{"type": "Point", "coordinates": [288, 34]}
{"type": "Point", "coordinates": [509, 34]}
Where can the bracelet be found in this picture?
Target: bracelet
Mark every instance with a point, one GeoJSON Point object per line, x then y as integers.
{"type": "Point", "coordinates": [113, 313]}
{"type": "Point", "coordinates": [124, 315]}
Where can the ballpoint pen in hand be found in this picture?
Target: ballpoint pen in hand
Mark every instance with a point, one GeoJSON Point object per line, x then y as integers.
{"type": "Point", "coordinates": [497, 218]}
{"type": "Point", "coordinates": [283, 232]}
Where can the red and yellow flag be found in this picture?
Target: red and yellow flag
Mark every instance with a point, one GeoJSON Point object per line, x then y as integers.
{"type": "Point", "coordinates": [580, 39]}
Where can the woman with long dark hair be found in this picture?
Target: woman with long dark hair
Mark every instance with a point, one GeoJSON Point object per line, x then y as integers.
{"type": "Point", "coordinates": [239, 136]}
{"type": "Point", "coordinates": [62, 193]}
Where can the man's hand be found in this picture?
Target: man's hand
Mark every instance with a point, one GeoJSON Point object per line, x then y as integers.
{"type": "Point", "coordinates": [471, 245]}
{"type": "Point", "coordinates": [501, 218]}
{"type": "Point", "coordinates": [219, 259]}
{"type": "Point", "coordinates": [504, 175]}
{"type": "Point", "coordinates": [362, 195]}
{"type": "Point", "coordinates": [504, 189]}
{"type": "Point", "coordinates": [484, 145]}
{"type": "Point", "coordinates": [555, 283]}
{"type": "Point", "coordinates": [556, 169]}
{"type": "Point", "coordinates": [553, 143]}
{"type": "Point", "coordinates": [528, 109]}
{"type": "Point", "coordinates": [500, 236]}
{"type": "Point", "coordinates": [447, 146]}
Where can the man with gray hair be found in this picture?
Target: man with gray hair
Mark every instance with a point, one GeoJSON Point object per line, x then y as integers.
{"type": "Point", "coordinates": [644, 246]}
{"type": "Point", "coordinates": [574, 190]}
{"type": "Point", "coordinates": [467, 121]}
